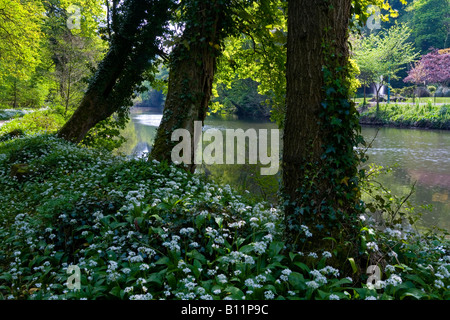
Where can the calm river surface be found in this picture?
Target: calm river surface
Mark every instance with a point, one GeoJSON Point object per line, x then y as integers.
{"type": "Point", "coordinates": [418, 156]}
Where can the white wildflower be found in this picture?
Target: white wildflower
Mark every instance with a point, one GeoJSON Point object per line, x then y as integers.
{"type": "Point", "coordinates": [372, 246]}
{"type": "Point", "coordinates": [269, 295]}
{"type": "Point", "coordinates": [312, 284]}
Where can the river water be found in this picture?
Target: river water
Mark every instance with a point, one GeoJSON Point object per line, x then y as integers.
{"type": "Point", "coordinates": [417, 156]}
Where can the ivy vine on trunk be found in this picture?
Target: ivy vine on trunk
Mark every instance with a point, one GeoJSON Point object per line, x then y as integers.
{"type": "Point", "coordinates": [320, 164]}
{"type": "Point", "coordinates": [133, 47]}
{"type": "Point", "coordinates": [192, 69]}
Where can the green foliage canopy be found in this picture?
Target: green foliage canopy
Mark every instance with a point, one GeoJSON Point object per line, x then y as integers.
{"type": "Point", "coordinates": [20, 37]}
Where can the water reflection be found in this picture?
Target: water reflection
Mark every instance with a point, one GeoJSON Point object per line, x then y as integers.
{"type": "Point", "coordinates": [140, 133]}
{"type": "Point", "coordinates": [419, 156]}
{"type": "Point", "coordinates": [152, 120]}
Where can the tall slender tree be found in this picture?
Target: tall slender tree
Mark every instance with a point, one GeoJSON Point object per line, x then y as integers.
{"type": "Point", "coordinates": [137, 25]}
{"type": "Point", "coordinates": [192, 68]}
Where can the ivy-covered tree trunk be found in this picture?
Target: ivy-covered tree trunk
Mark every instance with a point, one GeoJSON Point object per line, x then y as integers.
{"type": "Point", "coordinates": [132, 48]}
{"type": "Point", "coordinates": [192, 68]}
{"type": "Point", "coordinates": [320, 166]}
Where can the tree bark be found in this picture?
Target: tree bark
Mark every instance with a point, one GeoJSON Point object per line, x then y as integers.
{"type": "Point", "coordinates": [190, 80]}
{"type": "Point", "coordinates": [314, 25]}
{"type": "Point", "coordinates": [364, 104]}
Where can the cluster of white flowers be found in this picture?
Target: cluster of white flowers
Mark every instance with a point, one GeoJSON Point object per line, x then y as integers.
{"type": "Point", "coordinates": [305, 229]}
{"type": "Point", "coordinates": [269, 295]}
{"type": "Point", "coordinates": [372, 246]}
{"type": "Point", "coordinates": [285, 274]}
{"type": "Point", "coordinates": [393, 280]}
{"type": "Point", "coordinates": [237, 225]}
{"type": "Point", "coordinates": [146, 296]}
{"type": "Point", "coordinates": [394, 233]}
{"type": "Point", "coordinates": [187, 231]}
{"type": "Point", "coordinates": [255, 283]}
{"type": "Point", "coordinates": [221, 278]}
{"type": "Point", "coordinates": [172, 245]}
{"type": "Point", "coordinates": [235, 257]}
{"type": "Point", "coordinates": [259, 247]}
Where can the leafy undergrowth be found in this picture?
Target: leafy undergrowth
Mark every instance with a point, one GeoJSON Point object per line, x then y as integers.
{"type": "Point", "coordinates": [145, 230]}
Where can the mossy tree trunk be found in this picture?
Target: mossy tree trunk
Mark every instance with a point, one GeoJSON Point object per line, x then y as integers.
{"type": "Point", "coordinates": [132, 48]}
{"type": "Point", "coordinates": [321, 126]}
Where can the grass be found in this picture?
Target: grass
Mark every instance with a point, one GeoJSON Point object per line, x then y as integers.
{"type": "Point", "coordinates": [409, 115]}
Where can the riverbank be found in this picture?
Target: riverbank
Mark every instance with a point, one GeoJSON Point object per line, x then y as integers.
{"type": "Point", "coordinates": [427, 116]}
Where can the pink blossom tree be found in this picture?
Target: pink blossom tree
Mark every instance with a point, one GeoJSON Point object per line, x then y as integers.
{"type": "Point", "coordinates": [433, 67]}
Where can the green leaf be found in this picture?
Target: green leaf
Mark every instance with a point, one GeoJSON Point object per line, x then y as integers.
{"type": "Point", "coordinates": [416, 278]}
{"type": "Point", "coordinates": [292, 255]}
{"type": "Point", "coordinates": [275, 247]}
{"type": "Point", "coordinates": [156, 277]}
{"type": "Point", "coordinates": [163, 260]}
{"type": "Point", "coordinates": [323, 295]}
{"type": "Point", "coordinates": [6, 276]}
{"type": "Point", "coordinates": [247, 248]}
{"type": "Point", "coordinates": [415, 293]}
{"type": "Point", "coordinates": [219, 221]}
{"type": "Point", "coordinates": [235, 293]}
{"type": "Point", "coordinates": [171, 279]}
{"type": "Point", "coordinates": [302, 266]}
{"type": "Point", "coordinates": [200, 220]}
{"type": "Point", "coordinates": [353, 264]}
{"type": "Point", "coordinates": [194, 254]}
{"type": "Point", "coordinates": [115, 291]}
{"type": "Point", "coordinates": [196, 268]}
{"type": "Point", "coordinates": [297, 280]}
{"type": "Point", "coordinates": [340, 283]}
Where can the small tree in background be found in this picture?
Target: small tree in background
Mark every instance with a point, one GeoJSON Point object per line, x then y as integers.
{"type": "Point", "coordinates": [432, 68]}
{"type": "Point", "coordinates": [382, 56]}
{"type": "Point", "coordinates": [416, 76]}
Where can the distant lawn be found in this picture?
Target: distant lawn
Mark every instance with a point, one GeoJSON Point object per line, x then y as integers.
{"type": "Point", "coordinates": [417, 100]}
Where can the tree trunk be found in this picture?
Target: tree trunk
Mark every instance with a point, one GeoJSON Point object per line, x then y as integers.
{"type": "Point", "coordinates": [132, 49]}
{"type": "Point", "coordinates": [319, 162]}
{"type": "Point", "coordinates": [190, 80]}
{"type": "Point", "coordinates": [377, 90]}
{"type": "Point", "coordinates": [364, 94]}
{"type": "Point", "coordinates": [15, 94]}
